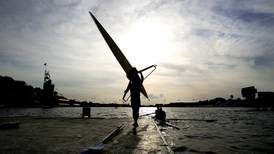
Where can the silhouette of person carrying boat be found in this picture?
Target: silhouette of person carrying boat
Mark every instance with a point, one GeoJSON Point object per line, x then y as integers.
{"type": "Point", "coordinates": [134, 85]}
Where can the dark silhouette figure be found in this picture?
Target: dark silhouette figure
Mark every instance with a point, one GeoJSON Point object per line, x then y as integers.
{"type": "Point", "coordinates": [85, 110]}
{"type": "Point", "coordinates": [134, 85]}
{"type": "Point", "coordinates": [160, 115]}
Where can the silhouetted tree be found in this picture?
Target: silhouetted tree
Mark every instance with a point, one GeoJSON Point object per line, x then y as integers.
{"type": "Point", "coordinates": [15, 93]}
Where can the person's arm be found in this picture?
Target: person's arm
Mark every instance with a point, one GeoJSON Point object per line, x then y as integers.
{"type": "Point", "coordinates": [126, 91]}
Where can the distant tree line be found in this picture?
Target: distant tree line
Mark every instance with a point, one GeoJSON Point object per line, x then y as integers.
{"type": "Point", "coordinates": [18, 94]}
{"type": "Point", "coordinates": [261, 100]}
{"type": "Point", "coordinates": [15, 93]}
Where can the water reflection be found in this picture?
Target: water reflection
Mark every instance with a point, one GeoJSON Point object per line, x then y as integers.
{"type": "Point", "coordinates": [73, 112]}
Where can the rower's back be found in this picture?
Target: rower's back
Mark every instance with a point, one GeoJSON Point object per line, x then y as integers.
{"type": "Point", "coordinates": [160, 114]}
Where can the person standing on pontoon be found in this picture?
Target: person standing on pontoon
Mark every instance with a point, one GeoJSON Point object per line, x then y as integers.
{"type": "Point", "coordinates": [134, 85]}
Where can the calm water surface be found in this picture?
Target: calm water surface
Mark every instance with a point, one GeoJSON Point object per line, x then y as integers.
{"type": "Point", "coordinates": [203, 130]}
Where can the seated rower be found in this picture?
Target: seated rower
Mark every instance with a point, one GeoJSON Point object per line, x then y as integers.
{"type": "Point", "coordinates": [160, 115]}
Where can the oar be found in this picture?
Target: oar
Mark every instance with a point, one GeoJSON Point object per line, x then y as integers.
{"type": "Point", "coordinates": [147, 114]}
{"type": "Point", "coordinates": [113, 134]}
{"type": "Point", "coordinates": [100, 146]}
{"type": "Point", "coordinates": [163, 122]}
{"type": "Point", "coordinates": [206, 120]}
{"type": "Point", "coordinates": [169, 124]}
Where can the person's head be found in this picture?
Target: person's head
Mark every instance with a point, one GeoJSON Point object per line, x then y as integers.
{"type": "Point", "coordinates": [133, 74]}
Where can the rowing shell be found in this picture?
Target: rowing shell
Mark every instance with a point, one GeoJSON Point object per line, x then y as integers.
{"type": "Point", "coordinates": [98, 148]}
{"type": "Point", "coordinates": [116, 51]}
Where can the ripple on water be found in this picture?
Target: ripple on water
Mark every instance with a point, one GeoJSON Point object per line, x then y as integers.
{"type": "Point", "coordinates": [261, 150]}
{"type": "Point", "coordinates": [186, 149]}
{"type": "Point", "coordinates": [202, 137]}
{"type": "Point", "coordinates": [235, 147]}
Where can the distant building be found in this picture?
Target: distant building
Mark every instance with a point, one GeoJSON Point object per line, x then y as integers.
{"type": "Point", "coordinates": [266, 99]}
{"type": "Point", "coordinates": [249, 93]}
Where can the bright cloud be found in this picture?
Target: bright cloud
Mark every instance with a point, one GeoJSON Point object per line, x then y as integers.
{"type": "Point", "coordinates": [203, 49]}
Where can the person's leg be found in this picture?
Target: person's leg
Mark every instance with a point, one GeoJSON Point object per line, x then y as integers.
{"type": "Point", "coordinates": [135, 103]}
{"type": "Point", "coordinates": [135, 115]}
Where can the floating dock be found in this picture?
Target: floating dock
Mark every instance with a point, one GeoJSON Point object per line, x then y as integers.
{"type": "Point", "coordinates": [72, 135]}
{"type": "Point", "coordinates": [144, 139]}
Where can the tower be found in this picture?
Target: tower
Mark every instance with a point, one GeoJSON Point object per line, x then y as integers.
{"type": "Point", "coordinates": [48, 89]}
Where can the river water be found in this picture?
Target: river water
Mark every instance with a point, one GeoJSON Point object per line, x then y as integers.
{"type": "Point", "coordinates": [202, 130]}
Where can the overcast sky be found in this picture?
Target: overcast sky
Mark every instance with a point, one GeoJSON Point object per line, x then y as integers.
{"type": "Point", "coordinates": [203, 48]}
